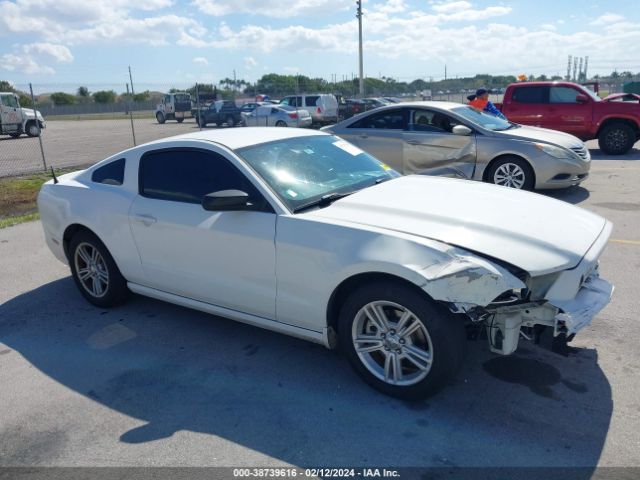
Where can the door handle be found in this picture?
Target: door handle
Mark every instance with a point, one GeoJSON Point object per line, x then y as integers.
{"type": "Point", "coordinates": [145, 218]}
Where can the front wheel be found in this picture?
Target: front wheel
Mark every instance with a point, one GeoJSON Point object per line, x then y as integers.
{"type": "Point", "coordinates": [95, 272]}
{"type": "Point", "coordinates": [399, 341]}
{"type": "Point", "coordinates": [280, 123]}
{"type": "Point", "coordinates": [15, 134]}
{"type": "Point", "coordinates": [160, 118]}
{"type": "Point", "coordinates": [33, 129]}
{"type": "Point", "coordinates": [230, 121]}
{"type": "Point", "coordinates": [616, 139]}
{"type": "Point", "coordinates": [512, 172]}
{"type": "Point", "coordinates": [179, 120]}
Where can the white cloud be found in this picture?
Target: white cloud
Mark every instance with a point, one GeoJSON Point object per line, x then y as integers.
{"type": "Point", "coordinates": [60, 53]}
{"type": "Point", "coordinates": [200, 60]}
{"type": "Point", "coordinates": [607, 19]}
{"type": "Point", "coordinates": [32, 58]}
{"type": "Point", "coordinates": [291, 69]}
{"type": "Point", "coordinates": [548, 26]}
{"type": "Point", "coordinates": [271, 8]}
{"type": "Point", "coordinates": [451, 7]}
{"type": "Point", "coordinates": [391, 6]}
{"type": "Point", "coordinates": [249, 63]}
{"type": "Point", "coordinates": [23, 64]}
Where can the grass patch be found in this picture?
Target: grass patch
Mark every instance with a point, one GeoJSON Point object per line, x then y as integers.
{"type": "Point", "coordinates": [19, 196]}
{"type": "Point", "coordinates": [11, 221]}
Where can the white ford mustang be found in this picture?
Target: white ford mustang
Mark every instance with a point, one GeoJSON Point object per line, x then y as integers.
{"type": "Point", "coordinates": [301, 232]}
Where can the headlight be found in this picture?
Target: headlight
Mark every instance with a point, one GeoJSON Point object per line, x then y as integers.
{"type": "Point", "coordinates": [556, 152]}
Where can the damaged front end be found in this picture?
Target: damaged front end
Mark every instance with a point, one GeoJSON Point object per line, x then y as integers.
{"type": "Point", "coordinates": [509, 304]}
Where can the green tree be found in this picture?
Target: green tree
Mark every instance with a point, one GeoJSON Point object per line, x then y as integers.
{"type": "Point", "coordinates": [25, 100]}
{"type": "Point", "coordinates": [83, 92]}
{"type": "Point", "coordinates": [104, 96]}
{"type": "Point", "coordinates": [6, 86]}
{"type": "Point", "coordinates": [142, 97]}
{"type": "Point", "coordinates": [61, 98]}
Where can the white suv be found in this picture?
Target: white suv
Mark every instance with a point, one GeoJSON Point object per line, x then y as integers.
{"type": "Point", "coordinates": [323, 107]}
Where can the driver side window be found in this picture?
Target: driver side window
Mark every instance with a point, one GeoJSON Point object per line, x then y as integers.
{"type": "Point", "coordinates": [187, 175]}
{"type": "Point", "coordinates": [432, 121]}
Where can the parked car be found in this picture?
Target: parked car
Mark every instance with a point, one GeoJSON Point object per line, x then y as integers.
{"type": "Point", "coordinates": [219, 112]}
{"type": "Point", "coordinates": [277, 116]}
{"type": "Point", "coordinates": [445, 138]}
{"type": "Point", "coordinates": [574, 109]}
{"type": "Point", "coordinates": [371, 103]}
{"type": "Point", "coordinates": [322, 107]}
{"type": "Point", "coordinates": [251, 106]}
{"type": "Point", "coordinates": [303, 233]}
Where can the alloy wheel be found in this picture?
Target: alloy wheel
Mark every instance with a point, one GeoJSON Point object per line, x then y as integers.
{"type": "Point", "coordinates": [91, 270]}
{"type": "Point", "coordinates": [509, 175]}
{"type": "Point", "coordinates": [392, 343]}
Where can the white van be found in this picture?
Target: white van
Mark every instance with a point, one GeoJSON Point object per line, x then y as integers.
{"type": "Point", "coordinates": [323, 107]}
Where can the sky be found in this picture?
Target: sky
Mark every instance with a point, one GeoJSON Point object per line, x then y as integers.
{"type": "Point", "coordinates": [61, 44]}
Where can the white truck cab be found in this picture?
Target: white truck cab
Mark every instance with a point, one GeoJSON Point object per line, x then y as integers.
{"type": "Point", "coordinates": [174, 106]}
{"type": "Point", "coordinates": [15, 120]}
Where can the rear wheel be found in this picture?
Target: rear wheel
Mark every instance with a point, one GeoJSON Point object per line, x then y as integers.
{"type": "Point", "coordinates": [94, 271]}
{"type": "Point", "coordinates": [616, 139]}
{"type": "Point", "coordinates": [399, 341]}
{"type": "Point", "coordinates": [281, 123]}
{"type": "Point", "coordinates": [512, 172]}
{"type": "Point", "coordinates": [230, 121]}
{"type": "Point", "coordinates": [160, 118]}
{"type": "Point", "coordinates": [15, 134]}
{"type": "Point", "coordinates": [179, 120]}
{"type": "Point", "coordinates": [201, 121]}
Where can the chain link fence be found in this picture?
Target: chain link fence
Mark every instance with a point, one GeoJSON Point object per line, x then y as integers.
{"type": "Point", "coordinates": [78, 130]}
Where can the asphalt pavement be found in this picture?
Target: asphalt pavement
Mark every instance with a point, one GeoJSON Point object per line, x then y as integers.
{"type": "Point", "coordinates": [152, 384]}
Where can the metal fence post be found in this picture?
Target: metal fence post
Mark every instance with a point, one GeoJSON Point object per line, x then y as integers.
{"type": "Point", "coordinates": [198, 107]}
{"type": "Point", "coordinates": [35, 115]}
{"type": "Point", "coordinates": [130, 106]}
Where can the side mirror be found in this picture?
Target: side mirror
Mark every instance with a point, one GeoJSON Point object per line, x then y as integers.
{"type": "Point", "coordinates": [461, 130]}
{"type": "Point", "coordinates": [581, 98]}
{"type": "Point", "coordinates": [226, 200]}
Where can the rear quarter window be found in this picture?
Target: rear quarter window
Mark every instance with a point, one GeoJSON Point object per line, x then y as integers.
{"type": "Point", "coordinates": [311, 101]}
{"type": "Point", "coordinates": [110, 174]}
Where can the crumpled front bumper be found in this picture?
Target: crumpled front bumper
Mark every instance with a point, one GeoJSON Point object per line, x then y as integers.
{"type": "Point", "coordinates": [594, 294]}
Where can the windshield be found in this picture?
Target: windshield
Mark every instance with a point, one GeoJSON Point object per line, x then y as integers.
{"type": "Point", "coordinates": [304, 169]}
{"type": "Point", "coordinates": [484, 120]}
{"type": "Point", "coordinates": [592, 94]}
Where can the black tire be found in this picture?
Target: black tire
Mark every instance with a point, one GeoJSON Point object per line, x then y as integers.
{"type": "Point", "coordinates": [115, 291]}
{"type": "Point", "coordinates": [179, 120]}
{"type": "Point", "coordinates": [230, 121]}
{"type": "Point", "coordinates": [523, 173]}
{"type": "Point", "coordinates": [15, 134]}
{"type": "Point", "coordinates": [160, 118]}
{"type": "Point", "coordinates": [616, 138]}
{"type": "Point", "coordinates": [32, 129]}
{"type": "Point", "coordinates": [281, 123]}
{"type": "Point", "coordinates": [201, 122]}
{"type": "Point", "coordinates": [445, 333]}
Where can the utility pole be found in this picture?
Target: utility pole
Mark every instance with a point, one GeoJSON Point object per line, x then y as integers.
{"type": "Point", "coordinates": [445, 71]}
{"type": "Point", "coordinates": [359, 16]}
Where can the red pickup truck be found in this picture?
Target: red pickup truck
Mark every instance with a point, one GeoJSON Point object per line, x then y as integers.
{"type": "Point", "coordinates": [571, 108]}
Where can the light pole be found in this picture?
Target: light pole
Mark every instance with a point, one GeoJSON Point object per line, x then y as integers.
{"type": "Point", "coordinates": [359, 16]}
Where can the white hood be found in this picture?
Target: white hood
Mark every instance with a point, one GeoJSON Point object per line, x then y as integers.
{"type": "Point", "coordinates": [533, 232]}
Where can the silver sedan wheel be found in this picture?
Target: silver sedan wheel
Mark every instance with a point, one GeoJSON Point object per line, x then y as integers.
{"type": "Point", "coordinates": [392, 343]}
{"type": "Point", "coordinates": [91, 270]}
{"type": "Point", "coordinates": [509, 175]}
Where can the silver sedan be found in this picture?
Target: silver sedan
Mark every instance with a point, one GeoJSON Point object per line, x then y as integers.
{"type": "Point", "coordinates": [277, 116]}
{"type": "Point", "coordinates": [450, 139]}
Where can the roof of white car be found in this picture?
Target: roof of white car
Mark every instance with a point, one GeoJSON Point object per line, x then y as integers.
{"type": "Point", "coordinates": [235, 138]}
